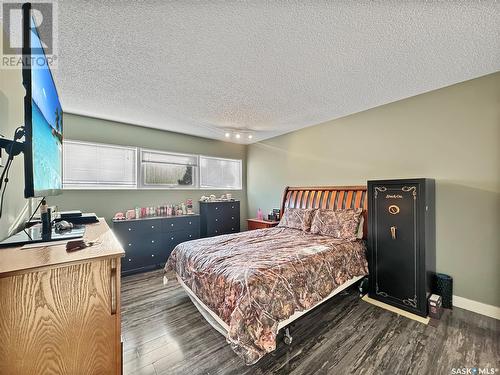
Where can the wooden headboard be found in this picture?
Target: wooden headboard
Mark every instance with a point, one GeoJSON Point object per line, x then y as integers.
{"type": "Point", "coordinates": [327, 197]}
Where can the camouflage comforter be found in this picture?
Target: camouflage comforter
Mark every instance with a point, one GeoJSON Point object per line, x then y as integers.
{"type": "Point", "coordinates": [253, 280]}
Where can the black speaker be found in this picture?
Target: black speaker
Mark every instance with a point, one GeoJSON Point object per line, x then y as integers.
{"type": "Point", "coordinates": [444, 288]}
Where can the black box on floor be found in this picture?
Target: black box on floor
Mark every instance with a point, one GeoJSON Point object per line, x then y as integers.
{"type": "Point", "coordinates": [435, 308]}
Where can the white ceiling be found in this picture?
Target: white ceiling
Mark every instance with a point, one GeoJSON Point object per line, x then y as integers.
{"type": "Point", "coordinates": [272, 67]}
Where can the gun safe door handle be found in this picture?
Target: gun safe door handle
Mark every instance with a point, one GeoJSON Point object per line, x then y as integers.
{"type": "Point", "coordinates": [393, 232]}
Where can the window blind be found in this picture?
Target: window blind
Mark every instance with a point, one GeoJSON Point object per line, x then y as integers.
{"type": "Point", "coordinates": [148, 156]}
{"type": "Point", "coordinates": [218, 173]}
{"type": "Point", "coordinates": [97, 165]}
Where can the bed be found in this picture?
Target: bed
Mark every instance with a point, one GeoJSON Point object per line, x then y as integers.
{"type": "Point", "coordinates": [251, 285]}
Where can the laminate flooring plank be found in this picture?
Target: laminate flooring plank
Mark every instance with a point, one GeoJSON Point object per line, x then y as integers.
{"type": "Point", "coordinates": [165, 334]}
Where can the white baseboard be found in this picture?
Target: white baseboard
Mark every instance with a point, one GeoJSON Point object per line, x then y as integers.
{"type": "Point", "coordinates": [477, 307]}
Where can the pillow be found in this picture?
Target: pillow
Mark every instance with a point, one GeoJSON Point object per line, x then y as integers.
{"type": "Point", "coordinates": [341, 224]}
{"type": "Point", "coordinates": [297, 218]}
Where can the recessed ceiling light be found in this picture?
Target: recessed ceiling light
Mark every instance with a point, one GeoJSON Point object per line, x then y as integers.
{"type": "Point", "coordinates": [250, 136]}
{"type": "Point", "coordinates": [227, 135]}
{"type": "Point", "coordinates": [238, 135]}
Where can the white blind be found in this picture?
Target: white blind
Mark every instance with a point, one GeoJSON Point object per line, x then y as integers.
{"type": "Point", "coordinates": [97, 165]}
{"type": "Point", "coordinates": [220, 173]}
{"type": "Point", "coordinates": [149, 156]}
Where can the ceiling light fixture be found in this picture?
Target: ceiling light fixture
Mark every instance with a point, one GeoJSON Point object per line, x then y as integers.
{"type": "Point", "coordinates": [238, 134]}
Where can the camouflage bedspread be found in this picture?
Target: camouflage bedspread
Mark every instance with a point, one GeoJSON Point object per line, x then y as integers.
{"type": "Point", "coordinates": [255, 279]}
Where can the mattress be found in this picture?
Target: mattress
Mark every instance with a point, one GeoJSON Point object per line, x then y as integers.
{"type": "Point", "coordinates": [254, 280]}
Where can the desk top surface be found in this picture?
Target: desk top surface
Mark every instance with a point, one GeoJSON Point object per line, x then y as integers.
{"type": "Point", "coordinates": [15, 260]}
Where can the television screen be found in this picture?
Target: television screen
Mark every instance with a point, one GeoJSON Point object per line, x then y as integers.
{"type": "Point", "coordinates": [44, 122]}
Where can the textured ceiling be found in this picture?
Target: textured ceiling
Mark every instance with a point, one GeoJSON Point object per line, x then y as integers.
{"type": "Point", "coordinates": [272, 67]}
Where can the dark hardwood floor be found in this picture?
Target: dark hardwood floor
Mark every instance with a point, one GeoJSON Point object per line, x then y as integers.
{"type": "Point", "coordinates": [164, 333]}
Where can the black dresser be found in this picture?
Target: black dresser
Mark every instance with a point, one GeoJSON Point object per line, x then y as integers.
{"type": "Point", "coordinates": [148, 242]}
{"type": "Point", "coordinates": [402, 242]}
{"type": "Point", "coordinates": [219, 218]}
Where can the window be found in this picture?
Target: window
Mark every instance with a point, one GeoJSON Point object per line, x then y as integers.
{"type": "Point", "coordinates": [100, 166]}
{"type": "Point", "coordinates": [168, 170]}
{"type": "Point", "coordinates": [88, 165]}
{"type": "Point", "coordinates": [218, 173]}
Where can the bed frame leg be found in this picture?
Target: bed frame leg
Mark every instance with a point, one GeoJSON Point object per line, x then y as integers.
{"type": "Point", "coordinates": [287, 338]}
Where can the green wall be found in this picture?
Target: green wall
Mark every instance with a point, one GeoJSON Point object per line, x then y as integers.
{"type": "Point", "coordinates": [451, 134]}
{"type": "Point", "coordinates": [107, 202]}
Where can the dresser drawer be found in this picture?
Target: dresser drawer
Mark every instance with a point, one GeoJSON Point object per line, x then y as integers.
{"type": "Point", "coordinates": [218, 229]}
{"type": "Point", "coordinates": [133, 262]}
{"type": "Point", "coordinates": [131, 230]}
{"type": "Point", "coordinates": [143, 251]}
{"type": "Point", "coordinates": [175, 238]}
{"type": "Point", "coordinates": [231, 208]}
{"type": "Point", "coordinates": [138, 226]}
{"type": "Point", "coordinates": [181, 223]}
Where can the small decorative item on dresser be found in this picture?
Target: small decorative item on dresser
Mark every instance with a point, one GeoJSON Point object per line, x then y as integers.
{"type": "Point", "coordinates": [261, 224]}
{"type": "Point", "coordinates": [435, 308]}
{"type": "Point", "coordinates": [130, 214]}
{"type": "Point", "coordinates": [189, 206]}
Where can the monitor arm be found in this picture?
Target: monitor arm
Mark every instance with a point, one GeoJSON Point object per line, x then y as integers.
{"type": "Point", "coordinates": [13, 147]}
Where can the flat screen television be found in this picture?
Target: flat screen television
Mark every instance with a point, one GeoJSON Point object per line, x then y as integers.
{"type": "Point", "coordinates": [43, 117]}
{"type": "Point", "coordinates": [43, 133]}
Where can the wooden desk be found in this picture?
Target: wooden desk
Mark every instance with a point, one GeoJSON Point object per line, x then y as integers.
{"type": "Point", "coordinates": [60, 312]}
{"type": "Point", "coordinates": [261, 224]}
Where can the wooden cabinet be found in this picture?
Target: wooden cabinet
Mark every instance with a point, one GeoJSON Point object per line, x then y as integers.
{"type": "Point", "coordinates": [148, 242]}
{"type": "Point", "coordinates": [401, 242]}
{"type": "Point", "coordinates": [261, 224]}
{"type": "Point", "coordinates": [61, 311]}
{"type": "Point", "coordinates": [219, 218]}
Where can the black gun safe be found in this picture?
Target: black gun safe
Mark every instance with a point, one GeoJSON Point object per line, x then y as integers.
{"type": "Point", "coordinates": [402, 242]}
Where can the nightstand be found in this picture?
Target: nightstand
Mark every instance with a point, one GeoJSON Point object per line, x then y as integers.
{"type": "Point", "coordinates": [261, 224]}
